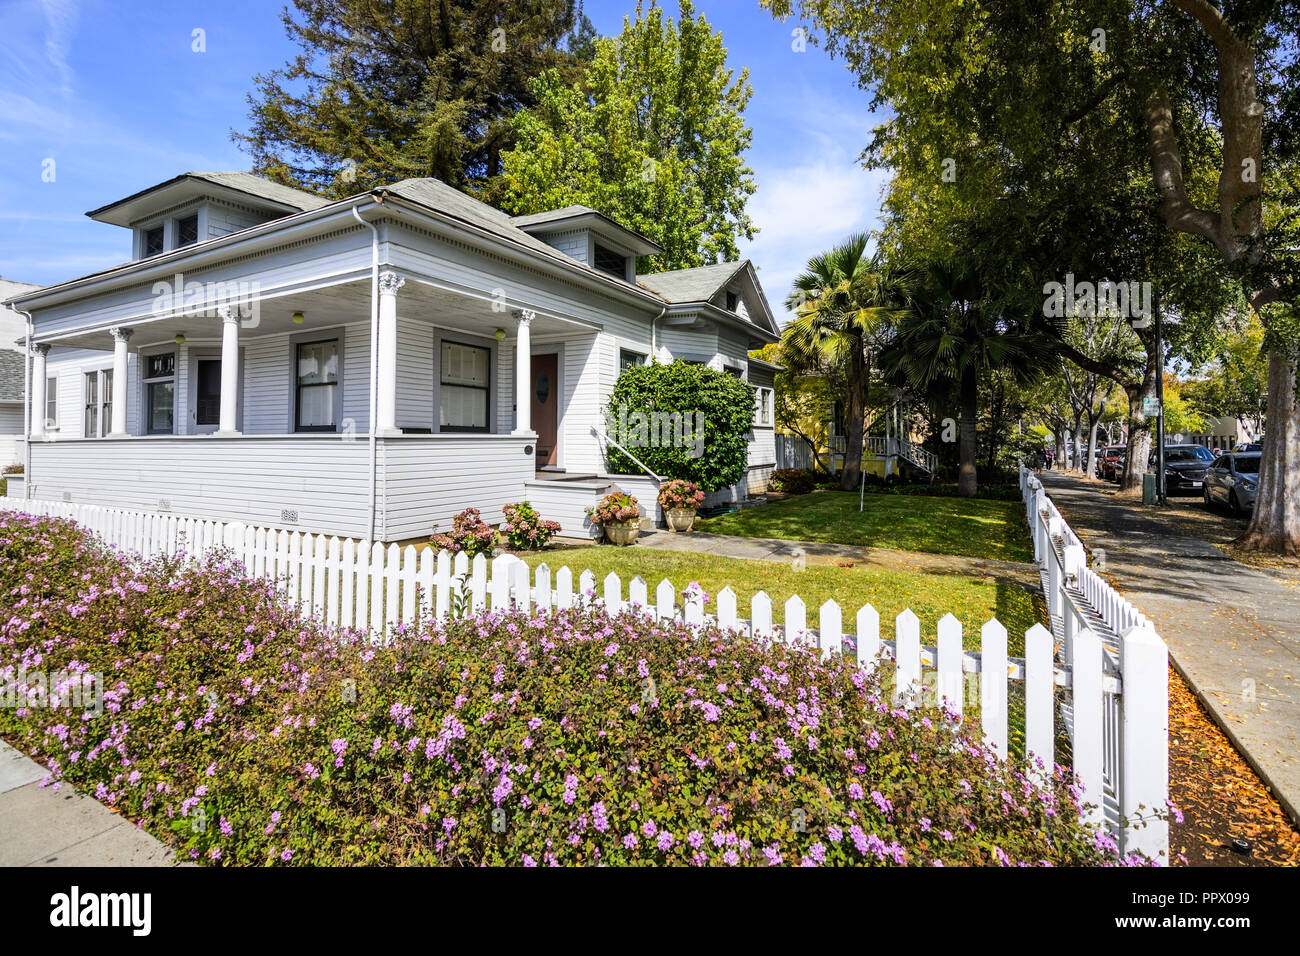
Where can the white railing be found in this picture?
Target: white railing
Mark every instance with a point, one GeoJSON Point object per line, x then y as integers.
{"type": "Point", "coordinates": [1119, 731]}
{"type": "Point", "coordinates": [383, 590]}
{"type": "Point", "coordinates": [877, 447]}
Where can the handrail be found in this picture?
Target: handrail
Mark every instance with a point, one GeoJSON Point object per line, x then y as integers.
{"type": "Point", "coordinates": [610, 441]}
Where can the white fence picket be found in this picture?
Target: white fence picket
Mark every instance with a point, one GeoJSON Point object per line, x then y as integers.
{"type": "Point", "coordinates": [907, 664]}
{"type": "Point", "coordinates": [950, 677]}
{"type": "Point", "coordinates": [830, 624]}
{"type": "Point", "coordinates": [993, 686]}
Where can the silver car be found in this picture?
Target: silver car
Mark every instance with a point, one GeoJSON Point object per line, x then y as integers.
{"type": "Point", "coordinates": [1232, 480]}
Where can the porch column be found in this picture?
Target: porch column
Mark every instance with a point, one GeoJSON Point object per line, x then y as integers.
{"type": "Point", "coordinates": [120, 339]}
{"type": "Point", "coordinates": [228, 420]}
{"type": "Point", "coordinates": [523, 373]}
{"type": "Point", "coordinates": [386, 375]}
{"type": "Point", "coordinates": [38, 390]}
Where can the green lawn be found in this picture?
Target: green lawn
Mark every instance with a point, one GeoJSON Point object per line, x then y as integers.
{"type": "Point", "coordinates": [974, 528]}
{"type": "Point", "coordinates": [930, 596]}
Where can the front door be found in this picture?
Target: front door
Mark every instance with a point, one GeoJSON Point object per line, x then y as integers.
{"type": "Point", "coordinates": [207, 395]}
{"type": "Point", "coordinates": [545, 401]}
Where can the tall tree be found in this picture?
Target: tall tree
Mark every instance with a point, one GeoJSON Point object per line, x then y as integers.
{"type": "Point", "coordinates": [653, 135]}
{"type": "Point", "coordinates": [844, 303]}
{"type": "Point", "coordinates": [954, 333]}
{"type": "Point", "coordinates": [383, 90]}
{"type": "Point", "coordinates": [1014, 93]}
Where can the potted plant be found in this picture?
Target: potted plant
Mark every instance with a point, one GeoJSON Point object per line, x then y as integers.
{"type": "Point", "coordinates": [680, 499]}
{"type": "Point", "coordinates": [618, 516]}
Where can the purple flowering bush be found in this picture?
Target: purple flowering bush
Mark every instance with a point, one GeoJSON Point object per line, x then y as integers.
{"type": "Point", "coordinates": [469, 533]}
{"type": "Point", "coordinates": [514, 739]}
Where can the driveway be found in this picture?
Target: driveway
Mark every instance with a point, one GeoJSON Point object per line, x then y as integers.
{"type": "Point", "coordinates": [1233, 632]}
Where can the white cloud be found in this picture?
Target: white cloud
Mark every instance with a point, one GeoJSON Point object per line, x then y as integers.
{"type": "Point", "coordinates": [804, 210]}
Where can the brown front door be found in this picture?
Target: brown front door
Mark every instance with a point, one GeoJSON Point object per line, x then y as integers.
{"type": "Point", "coordinates": [546, 400]}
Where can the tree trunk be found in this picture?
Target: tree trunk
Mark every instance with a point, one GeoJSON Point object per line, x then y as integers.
{"type": "Point", "coordinates": [1275, 524]}
{"type": "Point", "coordinates": [855, 415]}
{"type": "Point", "coordinates": [1139, 430]}
{"type": "Point", "coordinates": [1091, 469]}
{"type": "Point", "coordinates": [967, 475]}
{"type": "Point", "coordinates": [1077, 462]}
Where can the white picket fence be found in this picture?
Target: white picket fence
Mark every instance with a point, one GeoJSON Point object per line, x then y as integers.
{"type": "Point", "coordinates": [1120, 735]}
{"type": "Point", "coordinates": [383, 589]}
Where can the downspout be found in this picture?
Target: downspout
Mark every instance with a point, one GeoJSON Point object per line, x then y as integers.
{"type": "Point", "coordinates": [654, 349]}
{"type": "Point", "coordinates": [374, 360]}
{"type": "Point", "coordinates": [27, 412]}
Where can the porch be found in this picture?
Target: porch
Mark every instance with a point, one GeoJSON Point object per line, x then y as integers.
{"type": "Point", "coordinates": [316, 483]}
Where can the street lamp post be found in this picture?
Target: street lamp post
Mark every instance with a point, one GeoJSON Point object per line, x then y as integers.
{"type": "Point", "coordinates": [1160, 398]}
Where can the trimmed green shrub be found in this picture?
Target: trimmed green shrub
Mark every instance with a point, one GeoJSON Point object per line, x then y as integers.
{"type": "Point", "coordinates": [683, 421]}
{"type": "Point", "coordinates": [569, 738]}
{"type": "Point", "coordinates": [792, 481]}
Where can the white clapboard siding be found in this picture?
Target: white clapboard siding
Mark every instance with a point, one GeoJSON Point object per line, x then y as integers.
{"type": "Point", "coordinates": [1111, 686]}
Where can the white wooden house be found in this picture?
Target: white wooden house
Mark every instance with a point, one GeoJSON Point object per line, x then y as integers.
{"type": "Point", "coordinates": [355, 367]}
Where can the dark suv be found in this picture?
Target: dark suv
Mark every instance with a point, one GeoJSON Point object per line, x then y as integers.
{"type": "Point", "coordinates": [1185, 467]}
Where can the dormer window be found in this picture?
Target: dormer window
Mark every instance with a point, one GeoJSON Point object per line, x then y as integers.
{"type": "Point", "coordinates": [611, 262]}
{"type": "Point", "coordinates": [187, 230]}
{"type": "Point", "coordinates": [153, 241]}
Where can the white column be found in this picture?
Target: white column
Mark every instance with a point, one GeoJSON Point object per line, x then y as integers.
{"type": "Point", "coordinates": [524, 373]}
{"type": "Point", "coordinates": [38, 390]}
{"type": "Point", "coordinates": [120, 353]}
{"type": "Point", "coordinates": [386, 375]}
{"type": "Point", "coordinates": [227, 422]}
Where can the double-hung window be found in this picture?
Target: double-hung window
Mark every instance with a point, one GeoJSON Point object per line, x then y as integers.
{"type": "Point", "coordinates": [99, 403]}
{"type": "Point", "coordinates": [52, 403]}
{"type": "Point", "coordinates": [762, 406]}
{"type": "Point", "coordinates": [317, 386]}
{"type": "Point", "coordinates": [463, 388]}
{"type": "Point", "coordinates": [160, 393]}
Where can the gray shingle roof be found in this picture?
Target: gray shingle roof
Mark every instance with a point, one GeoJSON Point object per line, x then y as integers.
{"type": "Point", "coordinates": [692, 285]}
{"type": "Point", "coordinates": [438, 195]}
{"type": "Point", "coordinates": [568, 212]}
{"type": "Point", "coordinates": [11, 375]}
{"type": "Point", "coordinates": [257, 186]}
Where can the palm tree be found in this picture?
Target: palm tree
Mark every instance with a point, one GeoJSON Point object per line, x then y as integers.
{"type": "Point", "coordinates": [953, 334]}
{"type": "Point", "coordinates": [843, 303]}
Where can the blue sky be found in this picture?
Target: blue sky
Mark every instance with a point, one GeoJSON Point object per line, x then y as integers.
{"type": "Point", "coordinates": [116, 97]}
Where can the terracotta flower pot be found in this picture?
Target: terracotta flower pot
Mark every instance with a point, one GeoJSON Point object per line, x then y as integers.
{"type": "Point", "coordinates": [623, 533]}
{"type": "Point", "coordinates": [680, 519]}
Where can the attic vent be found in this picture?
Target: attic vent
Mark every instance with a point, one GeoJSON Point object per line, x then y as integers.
{"type": "Point", "coordinates": [612, 262]}
{"type": "Point", "coordinates": [733, 300]}
{"type": "Point", "coordinates": [289, 517]}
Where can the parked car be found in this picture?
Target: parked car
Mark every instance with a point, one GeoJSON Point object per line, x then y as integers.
{"type": "Point", "coordinates": [1232, 480]}
{"type": "Point", "coordinates": [1248, 447]}
{"type": "Point", "coordinates": [1185, 467]}
{"type": "Point", "coordinates": [1110, 464]}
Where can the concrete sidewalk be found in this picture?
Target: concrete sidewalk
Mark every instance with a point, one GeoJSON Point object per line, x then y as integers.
{"type": "Point", "coordinates": [44, 827]}
{"type": "Point", "coordinates": [1233, 632]}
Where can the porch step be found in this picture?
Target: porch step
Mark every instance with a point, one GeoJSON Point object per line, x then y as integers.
{"type": "Point", "coordinates": [563, 476]}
